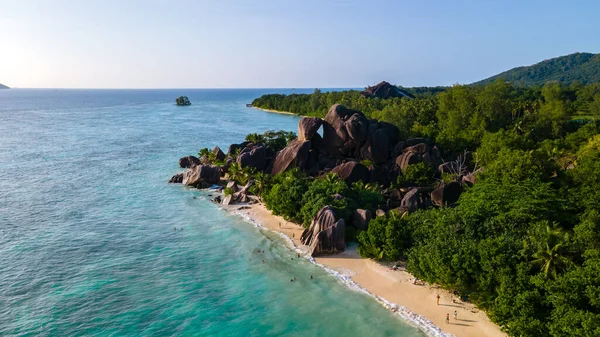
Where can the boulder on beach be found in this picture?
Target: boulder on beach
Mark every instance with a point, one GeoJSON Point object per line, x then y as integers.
{"type": "Point", "coordinates": [201, 176]}
{"type": "Point", "coordinates": [295, 154]}
{"type": "Point", "coordinates": [326, 233]}
{"type": "Point", "coordinates": [188, 162]}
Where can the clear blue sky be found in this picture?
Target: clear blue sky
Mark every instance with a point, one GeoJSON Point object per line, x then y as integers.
{"type": "Point", "coordinates": [282, 43]}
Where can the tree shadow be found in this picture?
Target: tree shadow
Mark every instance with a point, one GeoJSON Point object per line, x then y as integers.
{"type": "Point", "coordinates": [460, 324]}
{"type": "Point", "coordinates": [452, 305]}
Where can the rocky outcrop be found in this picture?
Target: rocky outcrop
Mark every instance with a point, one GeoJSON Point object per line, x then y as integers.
{"type": "Point", "coordinates": [412, 201]}
{"type": "Point", "coordinates": [188, 162]}
{"type": "Point", "coordinates": [232, 186]}
{"type": "Point", "coordinates": [176, 179]}
{"type": "Point", "coordinates": [408, 158]}
{"type": "Point", "coordinates": [296, 154]}
{"type": "Point", "coordinates": [235, 147]}
{"type": "Point", "coordinates": [325, 235]}
{"type": "Point", "coordinates": [446, 194]}
{"type": "Point", "coordinates": [201, 176]}
{"type": "Point", "coordinates": [344, 130]}
{"type": "Point", "coordinates": [219, 155]}
{"type": "Point", "coordinates": [361, 218]}
{"type": "Point", "coordinates": [255, 157]}
{"type": "Point", "coordinates": [308, 127]}
{"type": "Point", "coordinates": [352, 172]}
{"type": "Point", "coordinates": [384, 90]}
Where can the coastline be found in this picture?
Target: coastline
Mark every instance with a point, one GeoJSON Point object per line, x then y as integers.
{"type": "Point", "coordinates": [277, 111]}
{"type": "Point", "coordinates": [395, 290]}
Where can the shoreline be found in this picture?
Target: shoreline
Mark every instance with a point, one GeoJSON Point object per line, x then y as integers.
{"type": "Point", "coordinates": [277, 111]}
{"type": "Point", "coordinates": [415, 304]}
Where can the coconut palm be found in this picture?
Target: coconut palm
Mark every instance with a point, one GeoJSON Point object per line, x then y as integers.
{"type": "Point", "coordinates": [551, 257]}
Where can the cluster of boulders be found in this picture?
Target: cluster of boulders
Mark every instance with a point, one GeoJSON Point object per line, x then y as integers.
{"type": "Point", "coordinates": [384, 90]}
{"type": "Point", "coordinates": [353, 147]}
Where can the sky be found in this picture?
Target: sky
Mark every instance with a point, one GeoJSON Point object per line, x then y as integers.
{"type": "Point", "coordinates": [282, 43]}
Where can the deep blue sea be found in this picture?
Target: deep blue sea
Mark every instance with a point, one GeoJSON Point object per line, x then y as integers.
{"type": "Point", "coordinates": [87, 246]}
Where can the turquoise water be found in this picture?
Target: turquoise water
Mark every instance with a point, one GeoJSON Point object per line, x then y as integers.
{"type": "Point", "coordinates": [87, 245]}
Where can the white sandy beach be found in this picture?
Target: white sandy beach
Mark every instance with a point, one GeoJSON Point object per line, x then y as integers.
{"type": "Point", "coordinates": [394, 286]}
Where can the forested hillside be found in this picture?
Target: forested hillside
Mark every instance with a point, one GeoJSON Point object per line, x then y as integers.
{"type": "Point", "coordinates": [581, 67]}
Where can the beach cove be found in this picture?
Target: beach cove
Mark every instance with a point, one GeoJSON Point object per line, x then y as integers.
{"type": "Point", "coordinates": [393, 289]}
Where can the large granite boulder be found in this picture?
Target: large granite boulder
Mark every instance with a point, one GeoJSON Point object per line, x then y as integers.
{"type": "Point", "coordinates": [188, 162]}
{"type": "Point", "coordinates": [344, 131]}
{"type": "Point", "coordinates": [408, 158]}
{"type": "Point", "coordinates": [296, 154]}
{"type": "Point", "coordinates": [415, 141]}
{"type": "Point", "coordinates": [219, 155]}
{"type": "Point", "coordinates": [308, 127]}
{"type": "Point", "coordinates": [411, 201]}
{"type": "Point", "coordinates": [325, 235]}
{"type": "Point", "coordinates": [446, 194]}
{"type": "Point", "coordinates": [201, 176]}
{"type": "Point", "coordinates": [255, 157]}
{"type": "Point", "coordinates": [377, 147]}
{"type": "Point", "coordinates": [352, 172]}
{"type": "Point", "coordinates": [420, 148]}
{"type": "Point", "coordinates": [234, 147]}
{"type": "Point", "coordinates": [361, 218]}
{"type": "Point", "coordinates": [176, 179]}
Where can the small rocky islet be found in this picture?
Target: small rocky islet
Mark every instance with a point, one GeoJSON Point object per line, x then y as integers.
{"type": "Point", "coordinates": [352, 147]}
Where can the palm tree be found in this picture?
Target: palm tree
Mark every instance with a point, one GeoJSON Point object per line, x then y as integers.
{"type": "Point", "coordinates": [235, 172]}
{"type": "Point", "coordinates": [551, 257]}
{"type": "Point", "coordinates": [260, 181]}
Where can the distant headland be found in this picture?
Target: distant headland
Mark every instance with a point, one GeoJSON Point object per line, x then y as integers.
{"type": "Point", "coordinates": [2, 86]}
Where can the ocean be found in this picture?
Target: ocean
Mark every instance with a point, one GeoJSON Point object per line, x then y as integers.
{"type": "Point", "coordinates": [94, 242]}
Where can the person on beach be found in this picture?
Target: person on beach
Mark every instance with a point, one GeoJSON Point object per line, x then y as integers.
{"type": "Point", "coordinates": [447, 318]}
{"type": "Point", "coordinates": [293, 235]}
{"type": "Point", "coordinates": [438, 299]}
{"type": "Point", "coordinates": [455, 314]}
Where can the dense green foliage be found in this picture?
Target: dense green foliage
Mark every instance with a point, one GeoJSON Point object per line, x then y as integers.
{"type": "Point", "coordinates": [581, 67]}
{"type": "Point", "coordinates": [275, 140]}
{"type": "Point", "coordinates": [524, 242]}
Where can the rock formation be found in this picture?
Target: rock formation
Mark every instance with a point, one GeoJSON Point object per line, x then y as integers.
{"type": "Point", "coordinates": [219, 155]}
{"type": "Point", "coordinates": [188, 162]}
{"type": "Point", "coordinates": [361, 218]}
{"type": "Point", "coordinates": [201, 176]}
{"type": "Point", "coordinates": [308, 127]}
{"type": "Point", "coordinates": [176, 179]}
{"type": "Point", "coordinates": [446, 194]}
{"type": "Point", "coordinates": [296, 154]}
{"type": "Point", "coordinates": [253, 157]}
{"type": "Point", "coordinates": [384, 90]}
{"type": "Point", "coordinates": [351, 172]}
{"type": "Point", "coordinates": [325, 235]}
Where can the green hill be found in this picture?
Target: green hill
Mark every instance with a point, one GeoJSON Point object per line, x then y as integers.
{"type": "Point", "coordinates": [581, 67]}
{"type": "Point", "coordinates": [2, 86]}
